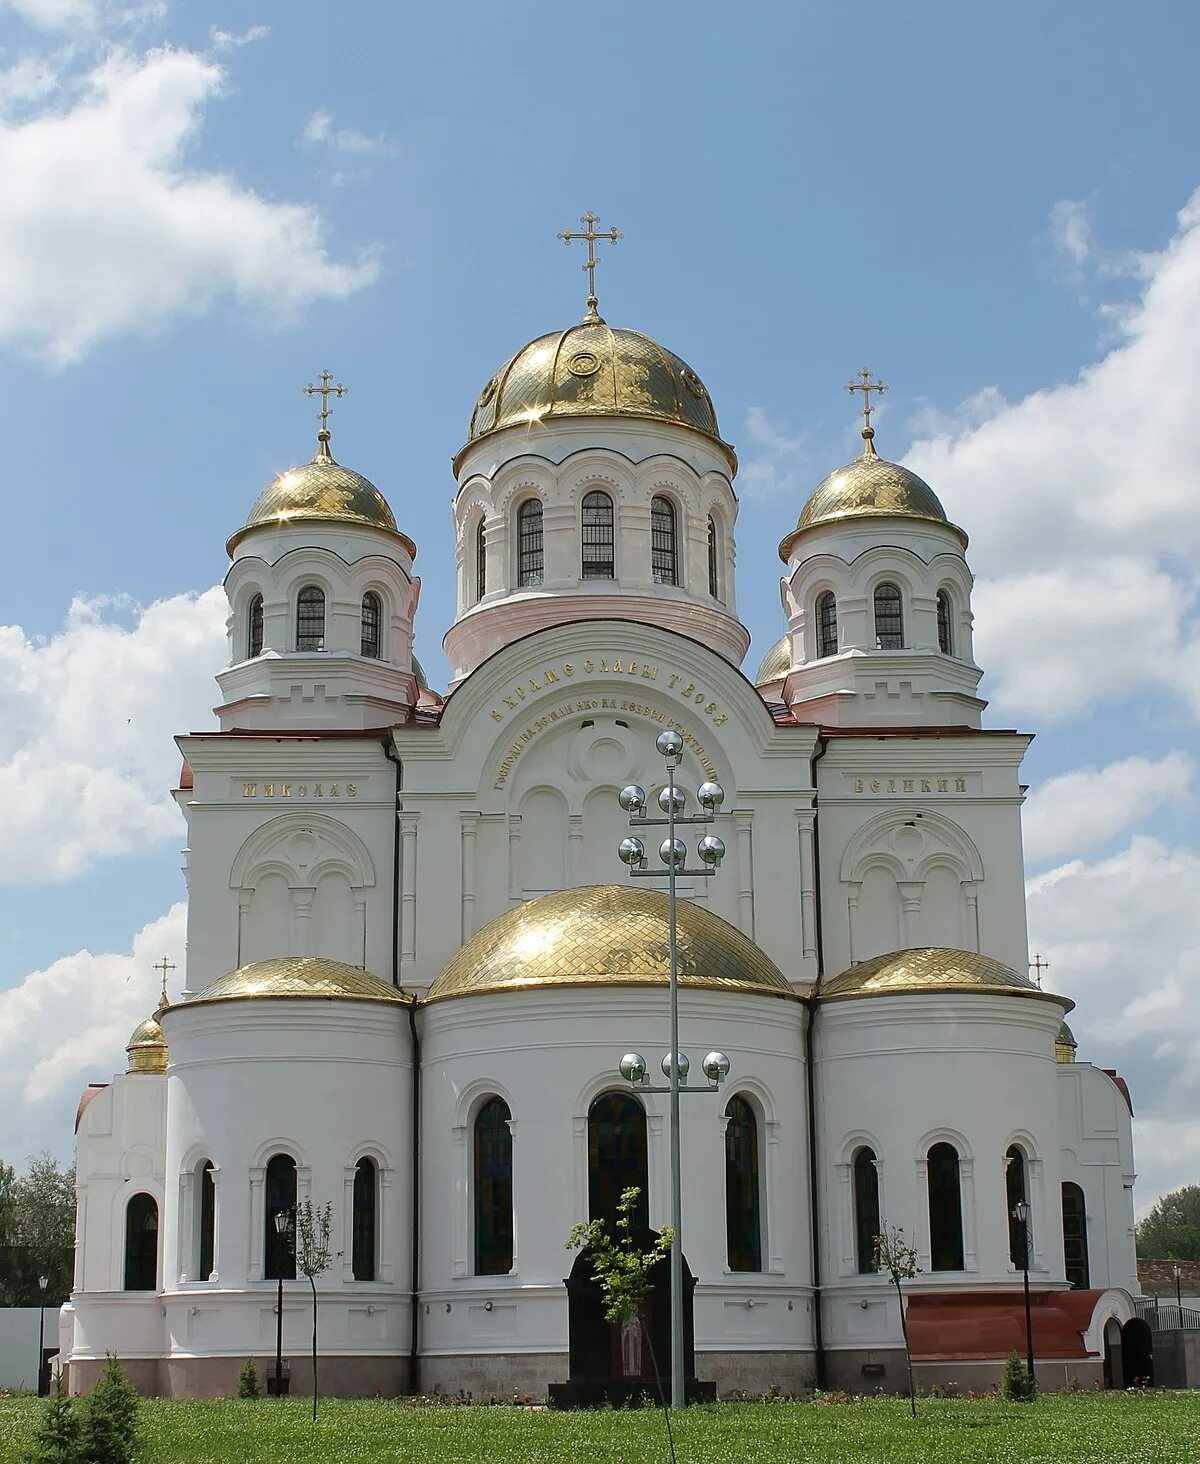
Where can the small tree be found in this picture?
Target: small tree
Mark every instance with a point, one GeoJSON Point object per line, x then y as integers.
{"type": "Point", "coordinates": [623, 1270]}
{"type": "Point", "coordinates": [1016, 1385]}
{"type": "Point", "coordinates": [314, 1256]}
{"type": "Point", "coordinates": [57, 1438]}
{"type": "Point", "coordinates": [895, 1257]}
{"type": "Point", "coordinates": [110, 1418]}
{"type": "Point", "coordinates": [1171, 1231]}
{"type": "Point", "coordinates": [247, 1386]}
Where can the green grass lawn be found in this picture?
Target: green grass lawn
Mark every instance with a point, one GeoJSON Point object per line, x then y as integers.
{"type": "Point", "coordinates": [1132, 1428]}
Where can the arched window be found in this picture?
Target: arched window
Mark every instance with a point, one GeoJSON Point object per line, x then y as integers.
{"type": "Point", "coordinates": [141, 1243]}
{"type": "Point", "coordinates": [279, 1255]}
{"type": "Point", "coordinates": [372, 625]}
{"type": "Point", "coordinates": [866, 1209]}
{"type": "Point", "coordinates": [310, 619]}
{"type": "Point", "coordinates": [945, 1209]}
{"type": "Point", "coordinates": [598, 559]}
{"type": "Point", "coordinates": [254, 628]}
{"type": "Point", "coordinates": [714, 579]}
{"type": "Point", "coordinates": [616, 1156]}
{"type": "Point", "coordinates": [889, 621]}
{"type": "Point", "coordinates": [480, 562]}
{"type": "Point", "coordinates": [743, 1225]}
{"type": "Point", "coordinates": [208, 1221]}
{"type": "Point", "coordinates": [1015, 1189]}
{"type": "Point", "coordinates": [493, 1190]}
{"type": "Point", "coordinates": [529, 542]}
{"type": "Point", "coordinates": [362, 1232]}
{"type": "Point", "coordinates": [1075, 1242]}
{"type": "Point", "coordinates": [664, 555]}
{"type": "Point", "coordinates": [945, 634]}
{"type": "Point", "coordinates": [827, 637]}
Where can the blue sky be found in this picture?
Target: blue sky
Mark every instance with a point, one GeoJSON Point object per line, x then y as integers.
{"type": "Point", "coordinates": [205, 205]}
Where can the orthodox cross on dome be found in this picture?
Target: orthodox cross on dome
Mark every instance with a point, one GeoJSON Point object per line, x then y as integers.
{"type": "Point", "coordinates": [867, 386]}
{"type": "Point", "coordinates": [590, 234]}
{"type": "Point", "coordinates": [164, 966]}
{"type": "Point", "coordinates": [324, 391]}
{"type": "Point", "coordinates": [1038, 965]}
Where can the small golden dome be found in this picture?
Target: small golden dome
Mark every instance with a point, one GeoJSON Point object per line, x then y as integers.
{"type": "Point", "coordinates": [606, 935]}
{"type": "Point", "coordinates": [776, 664]}
{"type": "Point", "coordinates": [929, 970]}
{"type": "Point", "coordinates": [147, 1048]}
{"type": "Point", "coordinates": [1065, 1045]}
{"type": "Point", "coordinates": [871, 487]}
{"type": "Point", "coordinates": [592, 370]}
{"type": "Point", "coordinates": [321, 491]}
{"type": "Point", "coordinates": [291, 978]}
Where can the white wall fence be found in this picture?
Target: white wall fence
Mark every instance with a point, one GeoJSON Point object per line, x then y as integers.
{"type": "Point", "coordinates": [19, 1344]}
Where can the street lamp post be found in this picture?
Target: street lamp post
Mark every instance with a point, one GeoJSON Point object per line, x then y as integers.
{"type": "Point", "coordinates": [673, 853]}
{"type": "Point", "coordinates": [43, 1282]}
{"type": "Point", "coordinates": [281, 1229]}
{"type": "Point", "coordinates": [1021, 1215]}
{"type": "Point", "coordinates": [1177, 1272]}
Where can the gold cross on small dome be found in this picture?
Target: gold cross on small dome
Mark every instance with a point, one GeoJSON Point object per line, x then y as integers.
{"type": "Point", "coordinates": [867, 386]}
{"type": "Point", "coordinates": [164, 966]}
{"type": "Point", "coordinates": [325, 391]}
{"type": "Point", "coordinates": [590, 234]}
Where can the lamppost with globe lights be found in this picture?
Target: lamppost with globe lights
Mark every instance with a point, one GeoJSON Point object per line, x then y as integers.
{"type": "Point", "coordinates": [672, 801]}
{"type": "Point", "coordinates": [1020, 1213]}
{"type": "Point", "coordinates": [1177, 1272]}
{"type": "Point", "coordinates": [282, 1223]}
{"type": "Point", "coordinates": [43, 1282]}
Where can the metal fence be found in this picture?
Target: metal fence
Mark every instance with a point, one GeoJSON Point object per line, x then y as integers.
{"type": "Point", "coordinates": [1165, 1316]}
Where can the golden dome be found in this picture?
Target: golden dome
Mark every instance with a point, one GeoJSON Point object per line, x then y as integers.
{"type": "Point", "coordinates": [605, 935]}
{"type": "Point", "coordinates": [147, 1048]}
{"type": "Point", "coordinates": [321, 491]}
{"type": "Point", "coordinates": [592, 370]}
{"type": "Point", "coordinates": [1065, 1045]}
{"type": "Point", "coordinates": [776, 664]}
{"type": "Point", "coordinates": [871, 487]}
{"type": "Point", "coordinates": [929, 970]}
{"type": "Point", "coordinates": [291, 978]}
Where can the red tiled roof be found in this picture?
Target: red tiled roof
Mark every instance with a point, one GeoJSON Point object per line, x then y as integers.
{"type": "Point", "coordinates": [990, 1324]}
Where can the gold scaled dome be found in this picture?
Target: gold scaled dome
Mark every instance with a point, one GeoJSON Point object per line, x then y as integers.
{"type": "Point", "coordinates": [593, 370]}
{"type": "Point", "coordinates": [871, 487]}
{"type": "Point", "coordinates": [293, 978]}
{"type": "Point", "coordinates": [605, 935]}
{"type": "Point", "coordinates": [1065, 1046]}
{"type": "Point", "coordinates": [147, 1048]}
{"type": "Point", "coordinates": [322, 491]}
{"type": "Point", "coordinates": [930, 970]}
{"type": "Point", "coordinates": [776, 664]}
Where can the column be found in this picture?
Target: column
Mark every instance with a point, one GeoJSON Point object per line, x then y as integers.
{"type": "Point", "coordinates": [462, 1198]}
{"type": "Point", "coordinates": [302, 921]}
{"type": "Point", "coordinates": [966, 1180]}
{"type": "Point", "coordinates": [575, 847]}
{"type": "Point", "coordinates": [910, 911]}
{"type": "Point", "coordinates": [853, 890]}
{"type": "Point", "coordinates": [243, 920]}
{"type": "Point", "coordinates": [514, 859]}
{"type": "Point", "coordinates": [808, 919]}
{"type": "Point", "coordinates": [847, 1261]}
{"type": "Point", "coordinates": [348, 1222]}
{"type": "Point", "coordinates": [408, 892]}
{"type": "Point", "coordinates": [770, 1180]}
{"type": "Point", "coordinates": [469, 831]}
{"type": "Point", "coordinates": [742, 818]}
{"type": "Point", "coordinates": [185, 1228]}
{"type": "Point", "coordinates": [970, 891]}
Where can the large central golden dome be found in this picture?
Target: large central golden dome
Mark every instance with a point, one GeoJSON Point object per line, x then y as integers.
{"type": "Point", "coordinates": [606, 935]}
{"type": "Point", "coordinates": [593, 370]}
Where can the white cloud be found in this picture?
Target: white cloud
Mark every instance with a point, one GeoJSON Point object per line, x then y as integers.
{"type": "Point", "coordinates": [1071, 233]}
{"type": "Point", "coordinates": [225, 40]}
{"type": "Point", "coordinates": [110, 228]}
{"type": "Point", "coordinates": [57, 14]}
{"type": "Point", "coordinates": [319, 131]}
{"type": "Point", "coordinates": [68, 1024]}
{"type": "Point", "coordinates": [87, 720]}
{"type": "Point", "coordinates": [1122, 936]}
{"type": "Point", "coordinates": [1080, 809]}
{"type": "Point", "coordinates": [1084, 518]}
{"type": "Point", "coordinates": [774, 461]}
{"type": "Point", "coordinates": [31, 79]}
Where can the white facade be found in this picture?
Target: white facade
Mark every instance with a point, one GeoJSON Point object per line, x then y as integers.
{"type": "Point", "coordinates": [340, 813]}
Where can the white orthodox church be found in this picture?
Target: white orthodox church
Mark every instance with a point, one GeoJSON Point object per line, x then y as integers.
{"type": "Point", "coordinates": [414, 960]}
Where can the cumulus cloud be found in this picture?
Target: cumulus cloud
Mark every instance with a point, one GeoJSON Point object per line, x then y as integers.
{"type": "Point", "coordinates": [68, 1024]}
{"type": "Point", "coordinates": [226, 40]}
{"type": "Point", "coordinates": [1122, 935]}
{"type": "Point", "coordinates": [1081, 809]}
{"type": "Point", "coordinates": [110, 227]}
{"type": "Point", "coordinates": [773, 460]}
{"type": "Point", "coordinates": [86, 726]}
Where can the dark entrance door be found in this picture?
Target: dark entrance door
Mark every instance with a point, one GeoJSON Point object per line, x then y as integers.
{"type": "Point", "coordinates": [1137, 1354]}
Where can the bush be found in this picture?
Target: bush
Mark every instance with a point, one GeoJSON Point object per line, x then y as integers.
{"type": "Point", "coordinates": [248, 1386]}
{"type": "Point", "coordinates": [57, 1438]}
{"type": "Point", "coordinates": [1016, 1385]}
{"type": "Point", "coordinates": [110, 1418]}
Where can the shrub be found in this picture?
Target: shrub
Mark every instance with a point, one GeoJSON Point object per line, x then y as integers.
{"type": "Point", "coordinates": [1016, 1385]}
{"type": "Point", "coordinates": [110, 1418]}
{"type": "Point", "coordinates": [248, 1386]}
{"type": "Point", "coordinates": [57, 1438]}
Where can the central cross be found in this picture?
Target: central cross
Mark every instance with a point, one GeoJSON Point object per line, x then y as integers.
{"type": "Point", "coordinates": [867, 386]}
{"type": "Point", "coordinates": [164, 966]}
{"type": "Point", "coordinates": [589, 235]}
{"type": "Point", "coordinates": [1038, 965]}
{"type": "Point", "coordinates": [325, 391]}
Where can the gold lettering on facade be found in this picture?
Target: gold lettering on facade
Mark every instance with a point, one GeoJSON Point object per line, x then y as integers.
{"type": "Point", "coordinates": [249, 790]}
{"type": "Point", "coordinates": [910, 785]}
{"type": "Point", "coordinates": [907, 785]}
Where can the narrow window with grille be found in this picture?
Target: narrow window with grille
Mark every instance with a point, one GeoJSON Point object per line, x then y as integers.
{"type": "Point", "coordinates": [663, 548]}
{"type": "Point", "coordinates": [529, 542]}
{"type": "Point", "coordinates": [254, 636]}
{"type": "Point", "coordinates": [310, 619]}
{"type": "Point", "coordinates": [827, 632]}
{"type": "Point", "coordinates": [889, 620]}
{"type": "Point", "coordinates": [480, 563]}
{"type": "Point", "coordinates": [372, 623]}
{"type": "Point", "coordinates": [945, 636]}
{"type": "Point", "coordinates": [598, 557]}
{"type": "Point", "coordinates": [714, 582]}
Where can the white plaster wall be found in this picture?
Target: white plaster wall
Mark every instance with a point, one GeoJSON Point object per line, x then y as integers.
{"type": "Point", "coordinates": [902, 1073]}
{"type": "Point", "coordinates": [19, 1332]}
{"type": "Point", "coordinates": [549, 1055]}
{"type": "Point", "coordinates": [1096, 1133]}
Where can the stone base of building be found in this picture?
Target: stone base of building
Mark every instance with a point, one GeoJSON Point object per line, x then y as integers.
{"type": "Point", "coordinates": [217, 1377]}
{"type": "Point", "coordinates": [883, 1370]}
{"type": "Point", "coordinates": [755, 1373]}
{"type": "Point", "coordinates": [486, 1375]}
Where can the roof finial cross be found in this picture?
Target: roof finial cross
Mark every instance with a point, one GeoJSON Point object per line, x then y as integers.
{"type": "Point", "coordinates": [324, 391]}
{"type": "Point", "coordinates": [590, 234]}
{"type": "Point", "coordinates": [867, 386]}
{"type": "Point", "coordinates": [164, 966]}
{"type": "Point", "coordinates": [1038, 965]}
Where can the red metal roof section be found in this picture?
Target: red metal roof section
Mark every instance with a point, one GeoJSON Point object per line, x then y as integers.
{"type": "Point", "coordinates": [990, 1324]}
{"type": "Point", "coordinates": [85, 1098]}
{"type": "Point", "coordinates": [1122, 1085]}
